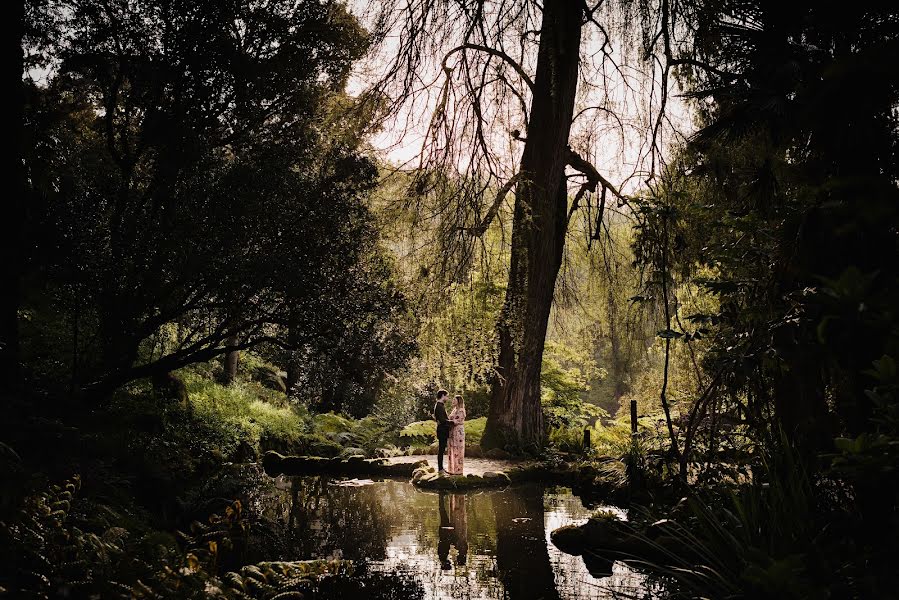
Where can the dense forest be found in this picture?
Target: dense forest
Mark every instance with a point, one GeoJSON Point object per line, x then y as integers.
{"type": "Point", "coordinates": [654, 245]}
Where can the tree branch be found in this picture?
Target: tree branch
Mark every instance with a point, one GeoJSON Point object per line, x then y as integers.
{"type": "Point", "coordinates": [481, 228]}
{"type": "Point", "coordinates": [576, 162]}
{"type": "Point", "coordinates": [494, 52]}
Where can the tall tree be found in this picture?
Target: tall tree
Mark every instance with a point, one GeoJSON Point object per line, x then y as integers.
{"type": "Point", "coordinates": [507, 67]}
{"type": "Point", "coordinates": [188, 171]}
{"type": "Point", "coordinates": [538, 233]}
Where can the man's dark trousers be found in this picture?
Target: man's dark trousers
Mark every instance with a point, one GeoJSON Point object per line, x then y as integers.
{"type": "Point", "coordinates": [442, 438]}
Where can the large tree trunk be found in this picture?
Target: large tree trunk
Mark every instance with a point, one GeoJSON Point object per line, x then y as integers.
{"type": "Point", "coordinates": [538, 234]}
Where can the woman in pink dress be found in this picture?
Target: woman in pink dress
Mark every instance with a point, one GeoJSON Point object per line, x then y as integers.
{"type": "Point", "coordinates": [456, 442]}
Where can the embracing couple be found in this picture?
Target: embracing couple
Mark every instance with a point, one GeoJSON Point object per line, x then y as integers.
{"type": "Point", "coordinates": [450, 433]}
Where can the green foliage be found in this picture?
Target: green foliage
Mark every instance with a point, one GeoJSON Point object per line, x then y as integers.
{"type": "Point", "coordinates": [346, 371]}
{"type": "Point", "coordinates": [785, 217]}
{"type": "Point", "coordinates": [474, 430]}
{"type": "Point", "coordinates": [331, 424]}
{"type": "Point", "coordinates": [783, 536]}
{"type": "Point", "coordinates": [565, 414]}
{"type": "Point", "coordinates": [560, 386]}
{"type": "Point", "coordinates": [370, 434]}
{"type": "Point", "coordinates": [250, 410]}
{"type": "Point", "coordinates": [52, 551]}
{"type": "Point", "coordinates": [169, 219]}
{"type": "Point", "coordinates": [61, 545]}
{"type": "Point", "coordinates": [419, 433]}
{"type": "Point", "coordinates": [612, 438]}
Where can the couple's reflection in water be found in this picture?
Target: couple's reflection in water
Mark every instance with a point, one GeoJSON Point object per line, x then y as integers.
{"type": "Point", "coordinates": [519, 539]}
{"type": "Point", "coordinates": [453, 530]}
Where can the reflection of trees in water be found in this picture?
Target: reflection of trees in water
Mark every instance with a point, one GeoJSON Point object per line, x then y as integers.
{"type": "Point", "coordinates": [522, 560]}
{"type": "Point", "coordinates": [320, 519]}
{"type": "Point", "coordinates": [398, 527]}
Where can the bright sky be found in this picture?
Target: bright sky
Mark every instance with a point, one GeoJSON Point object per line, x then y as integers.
{"type": "Point", "coordinates": [617, 145]}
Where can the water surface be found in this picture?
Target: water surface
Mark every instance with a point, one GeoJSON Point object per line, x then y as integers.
{"type": "Point", "coordinates": [487, 544]}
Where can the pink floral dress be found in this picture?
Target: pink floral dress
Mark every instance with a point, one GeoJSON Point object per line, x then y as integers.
{"type": "Point", "coordinates": [456, 443]}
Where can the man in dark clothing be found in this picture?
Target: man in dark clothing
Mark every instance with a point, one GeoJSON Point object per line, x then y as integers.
{"type": "Point", "coordinates": [443, 427]}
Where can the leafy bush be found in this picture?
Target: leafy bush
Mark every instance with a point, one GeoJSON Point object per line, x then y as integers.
{"type": "Point", "coordinates": [370, 434]}
{"type": "Point", "coordinates": [64, 546]}
{"type": "Point", "coordinates": [567, 439]}
{"type": "Point", "coordinates": [424, 433]}
{"type": "Point", "coordinates": [331, 424]}
{"type": "Point", "coordinates": [611, 439]}
{"type": "Point", "coordinates": [477, 402]}
{"type": "Point", "coordinates": [419, 433]}
{"type": "Point", "coordinates": [248, 410]}
{"type": "Point", "coordinates": [560, 395]}
{"type": "Point", "coordinates": [474, 430]}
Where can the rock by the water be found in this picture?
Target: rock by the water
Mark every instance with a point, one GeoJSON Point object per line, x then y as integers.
{"type": "Point", "coordinates": [597, 565]}
{"type": "Point", "coordinates": [497, 476]}
{"type": "Point", "coordinates": [603, 531]}
{"type": "Point", "coordinates": [570, 539]}
{"type": "Point", "coordinates": [601, 534]}
{"type": "Point", "coordinates": [275, 464]}
{"type": "Point", "coordinates": [351, 451]}
{"type": "Point", "coordinates": [431, 480]}
{"type": "Point", "coordinates": [271, 462]}
{"type": "Point", "coordinates": [424, 470]}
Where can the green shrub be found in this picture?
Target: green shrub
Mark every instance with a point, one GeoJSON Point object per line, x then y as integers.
{"type": "Point", "coordinates": [331, 424]}
{"type": "Point", "coordinates": [246, 411]}
{"type": "Point", "coordinates": [474, 431]}
{"type": "Point", "coordinates": [370, 434]}
{"type": "Point", "coordinates": [477, 402]}
{"type": "Point", "coordinates": [62, 545]}
{"type": "Point", "coordinates": [419, 433]}
{"type": "Point", "coordinates": [612, 439]}
{"type": "Point", "coordinates": [424, 433]}
{"type": "Point", "coordinates": [567, 439]}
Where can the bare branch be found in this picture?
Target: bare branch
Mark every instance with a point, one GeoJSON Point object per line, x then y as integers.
{"type": "Point", "coordinates": [493, 51]}
{"type": "Point", "coordinates": [481, 228]}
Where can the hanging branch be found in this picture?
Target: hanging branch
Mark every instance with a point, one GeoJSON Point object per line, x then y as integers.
{"type": "Point", "coordinates": [696, 414]}
{"type": "Point", "coordinates": [667, 307]}
{"type": "Point", "coordinates": [481, 228]}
